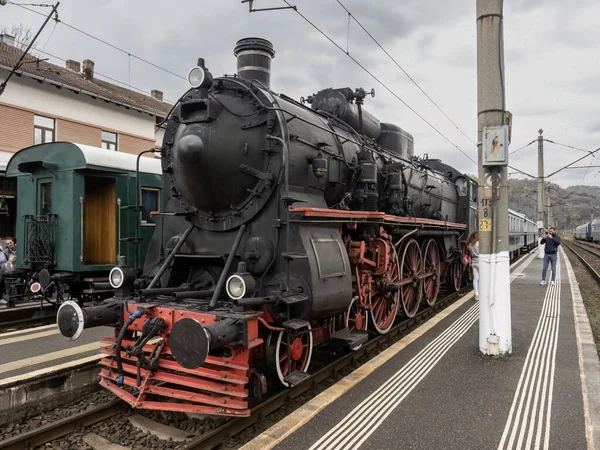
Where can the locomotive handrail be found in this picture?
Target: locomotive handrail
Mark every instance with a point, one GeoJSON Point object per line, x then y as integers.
{"type": "Point", "coordinates": [119, 229]}
{"type": "Point", "coordinates": [171, 256]}
{"type": "Point", "coordinates": [81, 217]}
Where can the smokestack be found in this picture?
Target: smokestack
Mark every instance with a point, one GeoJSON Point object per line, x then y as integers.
{"type": "Point", "coordinates": [157, 95]}
{"type": "Point", "coordinates": [254, 57]}
{"type": "Point", "coordinates": [88, 69]}
{"type": "Point", "coordinates": [73, 66]}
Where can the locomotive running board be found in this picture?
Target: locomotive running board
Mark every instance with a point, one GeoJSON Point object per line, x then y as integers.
{"type": "Point", "coordinates": [374, 216]}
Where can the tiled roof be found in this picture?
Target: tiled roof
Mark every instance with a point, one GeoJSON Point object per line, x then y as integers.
{"type": "Point", "coordinates": [101, 89]}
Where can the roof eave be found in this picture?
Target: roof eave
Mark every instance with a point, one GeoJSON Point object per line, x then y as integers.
{"type": "Point", "coordinates": [82, 91]}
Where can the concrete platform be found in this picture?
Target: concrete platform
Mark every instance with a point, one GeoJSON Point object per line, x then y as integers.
{"type": "Point", "coordinates": [36, 349]}
{"type": "Point", "coordinates": [434, 389]}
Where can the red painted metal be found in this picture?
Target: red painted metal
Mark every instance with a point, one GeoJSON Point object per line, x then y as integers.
{"type": "Point", "coordinates": [410, 268]}
{"type": "Point", "coordinates": [431, 266]}
{"type": "Point", "coordinates": [218, 387]}
{"type": "Point", "coordinates": [373, 215]}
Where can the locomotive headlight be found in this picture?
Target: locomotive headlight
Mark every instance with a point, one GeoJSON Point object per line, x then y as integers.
{"type": "Point", "coordinates": [116, 277]}
{"type": "Point", "coordinates": [196, 76]}
{"type": "Point", "coordinates": [236, 287]}
{"type": "Point", "coordinates": [240, 285]}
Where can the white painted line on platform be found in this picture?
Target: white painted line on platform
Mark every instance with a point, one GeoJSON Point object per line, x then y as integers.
{"type": "Point", "coordinates": [536, 383]}
{"type": "Point", "coordinates": [48, 370]}
{"type": "Point", "coordinates": [365, 418]}
{"type": "Point", "coordinates": [27, 337]}
{"type": "Point", "coordinates": [287, 426]}
{"type": "Point", "coordinates": [27, 362]}
{"type": "Point", "coordinates": [589, 364]}
{"type": "Point", "coordinates": [27, 330]}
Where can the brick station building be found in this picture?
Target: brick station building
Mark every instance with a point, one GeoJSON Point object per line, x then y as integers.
{"type": "Point", "coordinates": [45, 102]}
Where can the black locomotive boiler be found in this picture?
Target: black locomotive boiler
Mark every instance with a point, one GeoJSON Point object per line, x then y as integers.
{"type": "Point", "coordinates": [287, 226]}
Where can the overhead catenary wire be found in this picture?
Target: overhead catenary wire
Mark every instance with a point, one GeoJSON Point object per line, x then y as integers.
{"type": "Point", "coordinates": [521, 148]}
{"type": "Point", "coordinates": [567, 146]}
{"type": "Point", "coordinates": [372, 75]}
{"type": "Point", "coordinates": [401, 68]}
{"type": "Point", "coordinates": [103, 41]}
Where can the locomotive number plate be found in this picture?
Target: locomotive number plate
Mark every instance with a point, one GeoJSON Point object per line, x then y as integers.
{"type": "Point", "coordinates": [485, 225]}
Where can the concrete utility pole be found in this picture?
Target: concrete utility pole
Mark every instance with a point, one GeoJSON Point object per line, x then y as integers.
{"type": "Point", "coordinates": [550, 218]}
{"type": "Point", "coordinates": [540, 190]}
{"type": "Point", "coordinates": [495, 336]}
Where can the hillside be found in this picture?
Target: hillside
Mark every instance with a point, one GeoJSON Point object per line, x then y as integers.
{"type": "Point", "coordinates": [570, 207]}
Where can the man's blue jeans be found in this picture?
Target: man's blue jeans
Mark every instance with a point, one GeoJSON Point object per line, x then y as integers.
{"type": "Point", "coordinates": [549, 258]}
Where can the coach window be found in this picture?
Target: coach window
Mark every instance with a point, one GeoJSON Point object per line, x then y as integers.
{"type": "Point", "coordinates": [150, 202]}
{"type": "Point", "coordinates": [109, 141]}
{"type": "Point", "coordinates": [45, 198]}
{"type": "Point", "coordinates": [44, 129]}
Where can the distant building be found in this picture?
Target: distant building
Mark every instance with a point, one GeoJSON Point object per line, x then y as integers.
{"type": "Point", "coordinates": [45, 102]}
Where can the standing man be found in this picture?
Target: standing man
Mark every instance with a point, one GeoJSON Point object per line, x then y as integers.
{"type": "Point", "coordinates": [551, 241]}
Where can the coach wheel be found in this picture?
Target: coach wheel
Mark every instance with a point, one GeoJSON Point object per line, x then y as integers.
{"type": "Point", "coordinates": [384, 304]}
{"type": "Point", "coordinates": [410, 268]}
{"type": "Point", "coordinates": [432, 280]}
{"type": "Point", "coordinates": [278, 353]}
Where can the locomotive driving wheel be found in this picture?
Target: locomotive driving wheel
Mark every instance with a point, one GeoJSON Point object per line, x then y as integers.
{"type": "Point", "coordinates": [298, 353]}
{"type": "Point", "coordinates": [410, 267]}
{"type": "Point", "coordinates": [384, 304]}
{"type": "Point", "coordinates": [455, 276]}
{"type": "Point", "coordinates": [432, 280]}
{"type": "Point", "coordinates": [356, 317]}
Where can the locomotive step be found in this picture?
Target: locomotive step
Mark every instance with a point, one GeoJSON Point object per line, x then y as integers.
{"type": "Point", "coordinates": [293, 298]}
{"type": "Point", "coordinates": [295, 378]}
{"type": "Point", "coordinates": [295, 324]}
{"type": "Point", "coordinates": [353, 339]}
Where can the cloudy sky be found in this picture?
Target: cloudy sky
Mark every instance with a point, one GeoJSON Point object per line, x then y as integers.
{"type": "Point", "coordinates": [551, 56]}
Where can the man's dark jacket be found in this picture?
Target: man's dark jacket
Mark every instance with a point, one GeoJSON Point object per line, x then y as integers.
{"type": "Point", "coordinates": [552, 243]}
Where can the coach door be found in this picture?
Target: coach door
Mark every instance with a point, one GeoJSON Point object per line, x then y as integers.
{"type": "Point", "coordinates": [99, 221]}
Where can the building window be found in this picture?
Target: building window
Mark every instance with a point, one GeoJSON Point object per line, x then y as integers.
{"type": "Point", "coordinates": [109, 141]}
{"type": "Point", "coordinates": [150, 203]}
{"type": "Point", "coordinates": [43, 129]}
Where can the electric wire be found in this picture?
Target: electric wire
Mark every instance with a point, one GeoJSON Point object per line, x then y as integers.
{"type": "Point", "coordinates": [567, 146]}
{"type": "Point", "coordinates": [521, 148]}
{"type": "Point", "coordinates": [102, 41]}
{"type": "Point", "coordinates": [592, 153]}
{"type": "Point", "coordinates": [379, 81]}
{"type": "Point", "coordinates": [401, 68]}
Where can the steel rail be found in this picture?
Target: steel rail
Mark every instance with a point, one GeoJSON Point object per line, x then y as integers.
{"type": "Point", "coordinates": [63, 427]}
{"type": "Point", "coordinates": [215, 437]}
{"type": "Point", "coordinates": [586, 247]}
{"type": "Point", "coordinates": [587, 265]}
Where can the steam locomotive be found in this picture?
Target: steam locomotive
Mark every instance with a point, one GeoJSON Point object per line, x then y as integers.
{"type": "Point", "coordinates": [289, 225]}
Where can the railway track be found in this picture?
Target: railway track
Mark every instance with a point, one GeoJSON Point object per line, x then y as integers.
{"type": "Point", "coordinates": [25, 316]}
{"type": "Point", "coordinates": [56, 430]}
{"type": "Point", "coordinates": [215, 437]}
{"type": "Point", "coordinates": [571, 245]}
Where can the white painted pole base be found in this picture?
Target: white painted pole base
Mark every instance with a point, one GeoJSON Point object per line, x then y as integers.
{"type": "Point", "coordinates": [495, 337]}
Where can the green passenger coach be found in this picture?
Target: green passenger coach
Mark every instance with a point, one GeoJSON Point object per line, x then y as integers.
{"type": "Point", "coordinates": [79, 209]}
